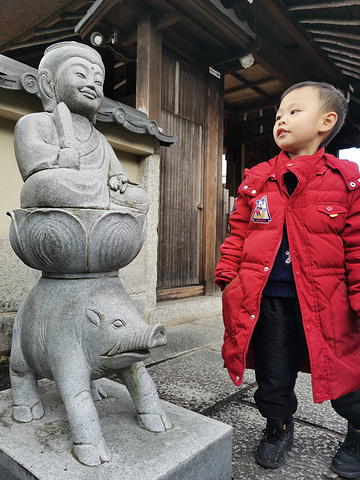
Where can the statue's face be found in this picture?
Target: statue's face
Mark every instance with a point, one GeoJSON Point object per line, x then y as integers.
{"type": "Point", "coordinates": [79, 84]}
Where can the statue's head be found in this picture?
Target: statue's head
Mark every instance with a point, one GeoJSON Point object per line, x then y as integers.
{"type": "Point", "coordinates": [72, 73]}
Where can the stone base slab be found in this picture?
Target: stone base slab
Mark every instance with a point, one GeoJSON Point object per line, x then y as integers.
{"type": "Point", "coordinates": [197, 447]}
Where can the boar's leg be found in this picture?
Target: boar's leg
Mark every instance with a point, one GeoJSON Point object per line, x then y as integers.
{"type": "Point", "coordinates": [97, 391]}
{"type": "Point", "coordinates": [26, 400]}
{"type": "Point", "coordinates": [151, 415]}
{"type": "Point", "coordinates": [89, 445]}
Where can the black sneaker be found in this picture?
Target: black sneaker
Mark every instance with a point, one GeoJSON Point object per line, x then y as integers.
{"type": "Point", "coordinates": [277, 440]}
{"type": "Point", "coordinates": [346, 462]}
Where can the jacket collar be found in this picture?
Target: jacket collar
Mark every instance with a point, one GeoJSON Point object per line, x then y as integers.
{"type": "Point", "coordinates": [276, 167]}
{"type": "Point", "coordinates": [303, 166]}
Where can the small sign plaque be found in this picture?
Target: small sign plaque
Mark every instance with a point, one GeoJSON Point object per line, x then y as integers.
{"type": "Point", "coordinates": [214, 72]}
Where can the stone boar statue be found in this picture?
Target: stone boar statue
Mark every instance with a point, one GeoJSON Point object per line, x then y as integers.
{"type": "Point", "coordinates": [74, 331]}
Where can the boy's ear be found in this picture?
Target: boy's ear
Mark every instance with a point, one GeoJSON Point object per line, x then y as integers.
{"type": "Point", "coordinates": [328, 121]}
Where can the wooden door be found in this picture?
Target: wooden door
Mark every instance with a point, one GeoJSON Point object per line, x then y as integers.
{"type": "Point", "coordinates": [181, 190]}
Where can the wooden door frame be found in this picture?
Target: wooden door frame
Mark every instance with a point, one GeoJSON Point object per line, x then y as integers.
{"type": "Point", "coordinates": [148, 100]}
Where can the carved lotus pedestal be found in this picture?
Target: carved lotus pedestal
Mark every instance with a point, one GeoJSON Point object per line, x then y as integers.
{"type": "Point", "coordinates": [79, 240]}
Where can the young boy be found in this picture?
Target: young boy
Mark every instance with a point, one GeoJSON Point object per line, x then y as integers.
{"type": "Point", "coordinates": [293, 263]}
{"type": "Point", "coordinates": [64, 161]}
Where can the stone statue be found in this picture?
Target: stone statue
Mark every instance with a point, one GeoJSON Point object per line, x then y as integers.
{"type": "Point", "coordinates": [80, 221]}
{"type": "Point", "coordinates": [74, 165]}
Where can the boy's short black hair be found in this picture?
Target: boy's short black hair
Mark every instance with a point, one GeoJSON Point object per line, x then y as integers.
{"type": "Point", "coordinates": [332, 100]}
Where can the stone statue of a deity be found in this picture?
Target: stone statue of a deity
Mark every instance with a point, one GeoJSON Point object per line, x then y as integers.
{"type": "Point", "coordinates": [63, 159]}
{"type": "Point", "coordinates": [81, 220]}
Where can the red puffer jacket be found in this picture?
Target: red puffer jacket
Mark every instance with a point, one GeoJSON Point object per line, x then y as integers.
{"type": "Point", "coordinates": [323, 224]}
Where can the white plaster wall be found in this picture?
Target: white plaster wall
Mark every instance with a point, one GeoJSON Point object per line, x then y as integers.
{"type": "Point", "coordinates": [10, 178]}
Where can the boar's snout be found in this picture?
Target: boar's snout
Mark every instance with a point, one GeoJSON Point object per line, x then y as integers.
{"type": "Point", "coordinates": [156, 336]}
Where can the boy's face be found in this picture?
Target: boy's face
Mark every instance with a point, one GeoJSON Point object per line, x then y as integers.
{"type": "Point", "coordinates": [299, 121]}
{"type": "Point", "coordinates": [79, 84]}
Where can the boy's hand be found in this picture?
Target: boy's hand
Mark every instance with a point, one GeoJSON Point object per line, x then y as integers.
{"type": "Point", "coordinates": [118, 182]}
{"type": "Point", "coordinates": [69, 158]}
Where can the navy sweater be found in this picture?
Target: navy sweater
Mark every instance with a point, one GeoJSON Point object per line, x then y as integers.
{"type": "Point", "coordinates": [281, 279]}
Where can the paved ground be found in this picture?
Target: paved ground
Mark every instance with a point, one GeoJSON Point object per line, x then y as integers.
{"type": "Point", "coordinates": [189, 372]}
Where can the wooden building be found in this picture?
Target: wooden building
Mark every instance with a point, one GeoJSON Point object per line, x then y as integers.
{"type": "Point", "coordinates": [210, 72]}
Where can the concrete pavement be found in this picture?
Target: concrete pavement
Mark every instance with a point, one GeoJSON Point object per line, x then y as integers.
{"type": "Point", "coordinates": [189, 372]}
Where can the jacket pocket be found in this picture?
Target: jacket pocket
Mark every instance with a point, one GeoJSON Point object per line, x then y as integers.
{"type": "Point", "coordinates": [230, 285]}
{"type": "Point", "coordinates": [330, 218]}
{"type": "Point", "coordinates": [346, 333]}
{"type": "Point", "coordinates": [331, 209]}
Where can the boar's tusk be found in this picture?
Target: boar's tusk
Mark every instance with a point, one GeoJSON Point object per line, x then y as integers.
{"type": "Point", "coordinates": [114, 350]}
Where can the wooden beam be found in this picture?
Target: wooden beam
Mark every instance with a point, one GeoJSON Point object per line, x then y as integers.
{"type": "Point", "coordinates": [238, 110]}
{"type": "Point", "coordinates": [94, 15]}
{"type": "Point", "coordinates": [245, 86]}
{"type": "Point", "coordinates": [289, 23]}
{"type": "Point", "coordinates": [342, 59]}
{"type": "Point", "coordinates": [278, 68]}
{"type": "Point", "coordinates": [229, 109]}
{"type": "Point", "coordinates": [220, 55]}
{"type": "Point", "coordinates": [341, 52]}
{"type": "Point", "coordinates": [168, 20]}
{"type": "Point", "coordinates": [149, 61]}
{"type": "Point", "coordinates": [254, 107]}
{"type": "Point", "coordinates": [250, 85]}
{"type": "Point", "coordinates": [346, 71]}
{"type": "Point", "coordinates": [211, 16]}
{"type": "Point", "coordinates": [329, 21]}
{"type": "Point", "coordinates": [311, 5]}
{"type": "Point", "coordinates": [265, 121]}
{"type": "Point", "coordinates": [334, 33]}
{"type": "Point", "coordinates": [162, 23]}
{"type": "Point", "coordinates": [43, 18]}
{"type": "Point", "coordinates": [48, 39]}
{"type": "Point", "coordinates": [52, 30]}
{"type": "Point", "coordinates": [337, 42]}
{"type": "Point", "coordinates": [129, 39]}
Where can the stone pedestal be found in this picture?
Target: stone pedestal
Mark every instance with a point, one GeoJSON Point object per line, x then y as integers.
{"type": "Point", "coordinates": [197, 447]}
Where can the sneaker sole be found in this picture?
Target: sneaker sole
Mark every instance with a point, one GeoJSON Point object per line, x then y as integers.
{"type": "Point", "coordinates": [345, 474]}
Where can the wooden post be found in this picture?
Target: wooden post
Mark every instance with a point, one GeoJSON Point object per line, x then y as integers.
{"type": "Point", "coordinates": [212, 201]}
{"type": "Point", "coordinates": [148, 75]}
{"type": "Point", "coordinates": [148, 100]}
{"type": "Point", "coordinates": [220, 191]}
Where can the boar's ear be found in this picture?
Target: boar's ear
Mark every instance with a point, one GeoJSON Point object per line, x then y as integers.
{"type": "Point", "coordinates": [95, 316]}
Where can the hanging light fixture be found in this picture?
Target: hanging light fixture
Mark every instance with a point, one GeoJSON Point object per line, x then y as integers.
{"type": "Point", "coordinates": [97, 39]}
{"type": "Point", "coordinates": [247, 61]}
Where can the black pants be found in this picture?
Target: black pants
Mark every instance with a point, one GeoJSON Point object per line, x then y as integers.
{"type": "Point", "coordinates": [278, 338]}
